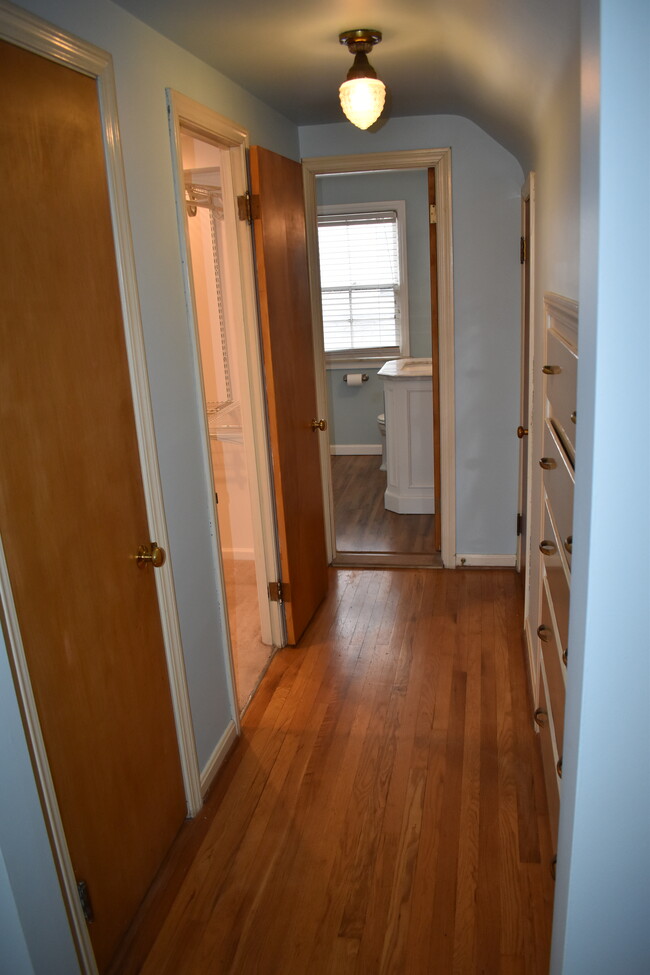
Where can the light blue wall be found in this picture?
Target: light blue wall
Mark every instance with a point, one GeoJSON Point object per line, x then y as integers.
{"type": "Point", "coordinates": [602, 901]}
{"type": "Point", "coordinates": [34, 898]}
{"type": "Point", "coordinates": [486, 187]}
{"type": "Point", "coordinates": [353, 412]}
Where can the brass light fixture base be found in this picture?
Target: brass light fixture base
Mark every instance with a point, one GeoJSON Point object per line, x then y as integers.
{"type": "Point", "coordinates": [360, 41]}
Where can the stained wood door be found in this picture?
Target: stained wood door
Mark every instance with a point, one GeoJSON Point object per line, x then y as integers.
{"type": "Point", "coordinates": [72, 507]}
{"type": "Point", "coordinates": [285, 315]}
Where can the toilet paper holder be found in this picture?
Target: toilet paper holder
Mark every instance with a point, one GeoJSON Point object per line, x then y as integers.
{"type": "Point", "coordinates": [364, 377]}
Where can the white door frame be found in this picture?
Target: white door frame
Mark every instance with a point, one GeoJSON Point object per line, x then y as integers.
{"type": "Point", "coordinates": [526, 409]}
{"type": "Point", "coordinates": [440, 160]}
{"type": "Point", "coordinates": [25, 30]}
{"type": "Point", "coordinates": [202, 122]}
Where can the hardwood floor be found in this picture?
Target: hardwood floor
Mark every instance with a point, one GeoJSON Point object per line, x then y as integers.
{"type": "Point", "coordinates": [362, 522]}
{"type": "Point", "coordinates": [384, 810]}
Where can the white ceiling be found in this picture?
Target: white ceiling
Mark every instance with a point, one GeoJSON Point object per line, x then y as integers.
{"type": "Point", "coordinates": [494, 61]}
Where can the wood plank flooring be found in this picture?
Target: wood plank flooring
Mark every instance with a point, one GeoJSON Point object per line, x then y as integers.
{"type": "Point", "coordinates": [384, 810]}
{"type": "Point", "coordinates": [361, 520]}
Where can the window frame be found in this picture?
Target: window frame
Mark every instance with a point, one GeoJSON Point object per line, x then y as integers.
{"type": "Point", "coordinates": [374, 356]}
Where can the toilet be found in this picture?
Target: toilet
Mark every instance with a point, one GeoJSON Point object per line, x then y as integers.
{"type": "Point", "coordinates": [381, 423]}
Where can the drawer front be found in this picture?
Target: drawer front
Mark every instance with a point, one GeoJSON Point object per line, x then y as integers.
{"type": "Point", "coordinates": [558, 483]}
{"type": "Point", "coordinates": [548, 760]}
{"type": "Point", "coordinates": [554, 565]}
{"type": "Point", "coordinates": [553, 668]}
{"type": "Point", "coordinates": [561, 389]}
{"type": "Point", "coordinates": [558, 590]}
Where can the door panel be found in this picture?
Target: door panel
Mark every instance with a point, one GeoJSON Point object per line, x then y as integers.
{"type": "Point", "coordinates": [285, 315]}
{"type": "Point", "coordinates": [72, 508]}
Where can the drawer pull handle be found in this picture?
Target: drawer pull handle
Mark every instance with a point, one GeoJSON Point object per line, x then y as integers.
{"type": "Point", "coordinates": [559, 767]}
{"type": "Point", "coordinates": [540, 717]}
{"type": "Point", "coordinates": [554, 866]}
{"type": "Point", "coordinates": [551, 370]}
{"type": "Point", "coordinates": [546, 547]}
{"type": "Point", "coordinates": [573, 416]}
{"type": "Point", "coordinates": [565, 657]}
{"type": "Point", "coordinates": [544, 633]}
{"type": "Point", "coordinates": [547, 463]}
{"type": "Point", "coordinates": [568, 544]}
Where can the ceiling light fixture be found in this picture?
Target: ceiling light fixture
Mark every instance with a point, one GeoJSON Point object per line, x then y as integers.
{"type": "Point", "coordinates": [362, 94]}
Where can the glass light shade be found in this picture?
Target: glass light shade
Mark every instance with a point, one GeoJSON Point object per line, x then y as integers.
{"type": "Point", "coordinates": [362, 100]}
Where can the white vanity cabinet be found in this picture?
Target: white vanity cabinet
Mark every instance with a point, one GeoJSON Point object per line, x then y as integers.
{"type": "Point", "coordinates": [408, 402]}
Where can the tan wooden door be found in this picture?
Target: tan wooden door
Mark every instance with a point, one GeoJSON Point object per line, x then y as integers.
{"type": "Point", "coordinates": [285, 313]}
{"type": "Point", "coordinates": [72, 509]}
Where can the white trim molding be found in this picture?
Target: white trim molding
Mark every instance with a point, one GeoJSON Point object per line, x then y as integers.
{"type": "Point", "coordinates": [487, 561]}
{"type": "Point", "coordinates": [561, 316]}
{"type": "Point", "coordinates": [233, 140]}
{"type": "Point", "coordinates": [440, 160]}
{"type": "Point", "coordinates": [218, 757]}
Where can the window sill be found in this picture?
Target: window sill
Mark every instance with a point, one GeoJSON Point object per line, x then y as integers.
{"type": "Point", "coordinates": [370, 362]}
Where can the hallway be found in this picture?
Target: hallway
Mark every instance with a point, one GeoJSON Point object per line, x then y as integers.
{"type": "Point", "coordinates": [384, 809]}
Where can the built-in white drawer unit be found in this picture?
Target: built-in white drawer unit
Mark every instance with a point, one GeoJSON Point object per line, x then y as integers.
{"type": "Point", "coordinates": [556, 474]}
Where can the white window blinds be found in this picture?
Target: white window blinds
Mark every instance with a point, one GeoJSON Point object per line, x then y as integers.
{"type": "Point", "coordinates": [360, 282]}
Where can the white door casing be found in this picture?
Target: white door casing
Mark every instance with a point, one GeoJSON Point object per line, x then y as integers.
{"type": "Point", "coordinates": [440, 160]}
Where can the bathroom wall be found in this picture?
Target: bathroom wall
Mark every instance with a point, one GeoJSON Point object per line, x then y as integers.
{"type": "Point", "coordinates": [353, 412]}
{"type": "Point", "coordinates": [487, 182]}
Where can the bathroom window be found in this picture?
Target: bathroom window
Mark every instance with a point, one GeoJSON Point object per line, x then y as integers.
{"type": "Point", "coordinates": [363, 280]}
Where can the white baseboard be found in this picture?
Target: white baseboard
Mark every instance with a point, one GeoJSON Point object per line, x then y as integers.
{"type": "Point", "coordinates": [488, 561]}
{"type": "Point", "coordinates": [408, 504]}
{"type": "Point", "coordinates": [352, 449]}
{"type": "Point", "coordinates": [245, 554]}
{"type": "Point", "coordinates": [217, 757]}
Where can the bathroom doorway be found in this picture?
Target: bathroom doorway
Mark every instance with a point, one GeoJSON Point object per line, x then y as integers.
{"type": "Point", "coordinates": [230, 378]}
{"type": "Point", "coordinates": [367, 526]}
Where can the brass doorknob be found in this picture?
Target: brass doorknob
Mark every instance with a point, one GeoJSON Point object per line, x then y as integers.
{"type": "Point", "coordinates": [151, 555]}
{"type": "Point", "coordinates": [319, 424]}
{"type": "Point", "coordinates": [540, 717]}
{"type": "Point", "coordinates": [522, 432]}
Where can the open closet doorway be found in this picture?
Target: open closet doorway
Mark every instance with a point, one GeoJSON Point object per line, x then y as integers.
{"type": "Point", "coordinates": [227, 356]}
{"type": "Point", "coordinates": [383, 314]}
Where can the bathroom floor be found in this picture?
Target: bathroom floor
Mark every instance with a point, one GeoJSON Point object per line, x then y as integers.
{"type": "Point", "coordinates": [362, 522]}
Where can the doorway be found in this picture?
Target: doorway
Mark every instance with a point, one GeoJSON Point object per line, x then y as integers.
{"type": "Point", "coordinates": [362, 528]}
{"type": "Point", "coordinates": [208, 167]}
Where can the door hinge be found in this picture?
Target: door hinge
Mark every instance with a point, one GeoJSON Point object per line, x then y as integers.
{"type": "Point", "coordinates": [519, 521]}
{"type": "Point", "coordinates": [84, 897]}
{"type": "Point", "coordinates": [523, 250]}
{"type": "Point", "coordinates": [248, 207]}
{"type": "Point", "coordinates": [433, 213]}
{"type": "Point", "coordinates": [279, 592]}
